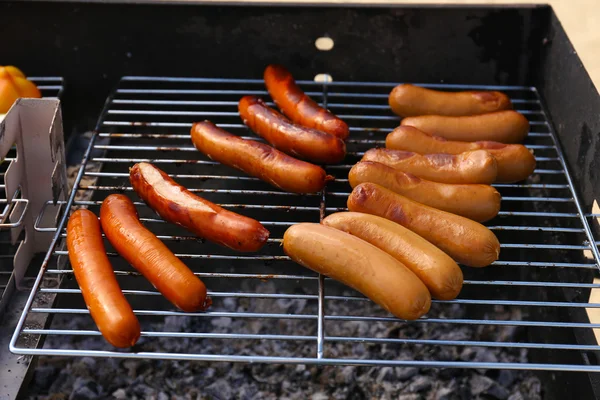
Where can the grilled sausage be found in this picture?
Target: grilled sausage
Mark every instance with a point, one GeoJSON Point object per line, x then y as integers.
{"type": "Point", "coordinates": [297, 106]}
{"type": "Point", "coordinates": [108, 307]}
{"type": "Point", "coordinates": [409, 100]}
{"type": "Point", "coordinates": [466, 241]}
{"type": "Point", "coordinates": [258, 160]}
{"type": "Point", "coordinates": [515, 161]}
{"type": "Point", "coordinates": [360, 265]}
{"type": "Point", "coordinates": [477, 202]}
{"type": "Point", "coordinates": [477, 166]}
{"type": "Point", "coordinates": [178, 205]}
{"type": "Point", "coordinates": [501, 126]}
{"type": "Point", "coordinates": [436, 269]}
{"type": "Point", "coordinates": [147, 254]}
{"type": "Point", "coordinates": [298, 141]}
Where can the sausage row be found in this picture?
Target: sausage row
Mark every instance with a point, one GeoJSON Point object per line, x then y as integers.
{"type": "Point", "coordinates": [420, 200]}
{"type": "Point", "coordinates": [414, 210]}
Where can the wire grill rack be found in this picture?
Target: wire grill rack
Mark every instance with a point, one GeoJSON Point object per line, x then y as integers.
{"type": "Point", "coordinates": [545, 270]}
{"type": "Point", "coordinates": [50, 87]}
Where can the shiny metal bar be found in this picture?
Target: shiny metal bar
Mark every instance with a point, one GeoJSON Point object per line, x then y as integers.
{"type": "Point", "coordinates": [209, 314]}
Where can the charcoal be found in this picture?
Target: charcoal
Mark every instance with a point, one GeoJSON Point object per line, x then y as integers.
{"type": "Point", "coordinates": [85, 389]}
{"type": "Point", "coordinates": [142, 379]}
{"type": "Point", "coordinates": [229, 304]}
{"type": "Point", "coordinates": [143, 390]}
{"type": "Point", "coordinates": [84, 393]}
{"type": "Point", "coordinates": [506, 377]}
{"type": "Point", "coordinates": [247, 392]}
{"type": "Point", "coordinates": [516, 396]}
{"type": "Point", "coordinates": [531, 388]}
{"type": "Point", "coordinates": [421, 383]}
{"type": "Point", "coordinates": [89, 362]}
{"type": "Point", "coordinates": [319, 396]}
{"type": "Point", "coordinates": [385, 374]}
{"type": "Point", "coordinates": [220, 390]}
{"type": "Point", "coordinates": [444, 393]}
{"type": "Point", "coordinates": [405, 373]}
{"type": "Point", "coordinates": [410, 396]}
{"type": "Point", "coordinates": [345, 375]}
{"type": "Point", "coordinates": [222, 322]}
{"type": "Point", "coordinates": [496, 392]}
{"type": "Point", "coordinates": [44, 376]}
{"type": "Point", "coordinates": [480, 384]}
{"type": "Point", "coordinates": [120, 394]}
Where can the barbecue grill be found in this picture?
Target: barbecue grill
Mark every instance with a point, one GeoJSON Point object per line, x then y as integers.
{"type": "Point", "coordinates": [197, 61]}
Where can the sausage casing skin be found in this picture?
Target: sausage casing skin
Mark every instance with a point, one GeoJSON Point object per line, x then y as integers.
{"type": "Point", "coordinates": [466, 241]}
{"type": "Point", "coordinates": [108, 307]}
{"type": "Point", "coordinates": [147, 254]}
{"type": "Point", "coordinates": [476, 166]}
{"type": "Point", "coordinates": [297, 106]}
{"type": "Point", "coordinates": [298, 141]}
{"type": "Point", "coordinates": [178, 205]}
{"type": "Point", "coordinates": [258, 159]}
{"type": "Point", "coordinates": [515, 161]}
{"type": "Point", "coordinates": [440, 273]}
{"type": "Point", "coordinates": [360, 265]}
{"type": "Point", "coordinates": [477, 202]}
{"type": "Point", "coordinates": [501, 126]}
{"type": "Point", "coordinates": [408, 100]}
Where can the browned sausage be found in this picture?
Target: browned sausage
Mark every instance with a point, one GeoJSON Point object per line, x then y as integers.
{"type": "Point", "coordinates": [360, 265]}
{"type": "Point", "coordinates": [436, 269]}
{"type": "Point", "coordinates": [477, 202]}
{"type": "Point", "coordinates": [515, 161]}
{"type": "Point", "coordinates": [298, 106]}
{"type": "Point", "coordinates": [409, 100]}
{"type": "Point", "coordinates": [466, 241]}
{"type": "Point", "coordinates": [477, 166]}
{"type": "Point", "coordinates": [298, 141]}
{"type": "Point", "coordinates": [147, 254]}
{"type": "Point", "coordinates": [258, 160]}
{"type": "Point", "coordinates": [500, 126]}
{"type": "Point", "coordinates": [178, 205]}
{"type": "Point", "coordinates": [94, 274]}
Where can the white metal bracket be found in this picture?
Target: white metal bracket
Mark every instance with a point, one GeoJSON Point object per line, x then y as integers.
{"type": "Point", "coordinates": [38, 173]}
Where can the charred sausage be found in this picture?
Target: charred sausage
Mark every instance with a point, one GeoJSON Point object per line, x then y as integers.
{"type": "Point", "coordinates": [178, 205]}
{"type": "Point", "coordinates": [147, 254]}
{"type": "Point", "coordinates": [297, 106]}
{"type": "Point", "coordinates": [298, 141]}
{"type": "Point", "coordinates": [258, 160]}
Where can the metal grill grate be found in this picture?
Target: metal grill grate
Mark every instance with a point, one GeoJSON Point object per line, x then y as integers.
{"type": "Point", "coordinates": [50, 87]}
{"type": "Point", "coordinates": [541, 281]}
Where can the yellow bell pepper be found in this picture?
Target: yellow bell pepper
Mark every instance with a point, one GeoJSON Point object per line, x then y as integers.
{"type": "Point", "coordinates": [14, 84]}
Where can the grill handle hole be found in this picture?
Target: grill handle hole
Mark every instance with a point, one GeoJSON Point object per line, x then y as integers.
{"type": "Point", "coordinates": [324, 43]}
{"type": "Point", "coordinates": [323, 78]}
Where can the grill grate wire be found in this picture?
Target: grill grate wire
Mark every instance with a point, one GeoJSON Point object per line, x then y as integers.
{"type": "Point", "coordinates": [543, 229]}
